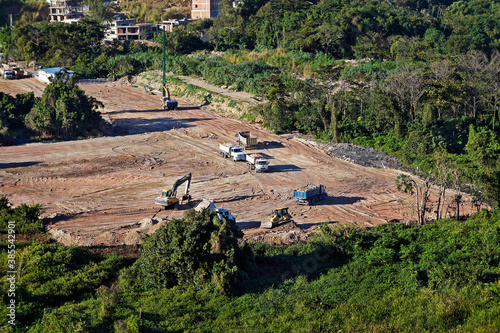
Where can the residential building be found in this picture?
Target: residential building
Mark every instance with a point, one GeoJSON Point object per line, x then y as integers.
{"type": "Point", "coordinates": [169, 25]}
{"type": "Point", "coordinates": [205, 9]}
{"type": "Point", "coordinates": [121, 29]}
{"type": "Point", "coordinates": [67, 11]}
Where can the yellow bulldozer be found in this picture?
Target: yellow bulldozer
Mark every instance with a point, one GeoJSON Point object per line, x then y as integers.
{"type": "Point", "coordinates": [279, 216]}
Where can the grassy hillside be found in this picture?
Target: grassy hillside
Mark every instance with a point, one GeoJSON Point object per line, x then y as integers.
{"type": "Point", "coordinates": [442, 277]}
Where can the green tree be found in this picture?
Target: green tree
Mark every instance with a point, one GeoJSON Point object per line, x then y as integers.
{"type": "Point", "coordinates": [483, 150]}
{"type": "Point", "coordinates": [195, 250]}
{"type": "Point", "coordinates": [64, 111]}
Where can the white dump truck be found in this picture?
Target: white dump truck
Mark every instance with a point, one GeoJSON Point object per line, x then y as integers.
{"type": "Point", "coordinates": [245, 140]}
{"type": "Point", "coordinates": [209, 204]}
{"type": "Point", "coordinates": [229, 150]}
{"type": "Point", "coordinates": [257, 162]}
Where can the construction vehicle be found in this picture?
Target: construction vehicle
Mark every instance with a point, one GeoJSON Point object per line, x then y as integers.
{"type": "Point", "coordinates": [235, 152]}
{"type": "Point", "coordinates": [279, 216]}
{"type": "Point", "coordinates": [167, 103]}
{"type": "Point", "coordinates": [169, 198]}
{"type": "Point", "coordinates": [257, 162]}
{"type": "Point", "coordinates": [18, 73]}
{"type": "Point", "coordinates": [7, 74]}
{"type": "Point", "coordinates": [245, 140]}
{"type": "Point", "coordinates": [309, 194]}
{"type": "Point", "coordinates": [221, 212]}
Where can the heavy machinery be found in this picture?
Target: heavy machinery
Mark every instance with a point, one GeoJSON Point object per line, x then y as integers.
{"type": "Point", "coordinates": [169, 196]}
{"type": "Point", "coordinates": [166, 102]}
{"type": "Point", "coordinates": [245, 140]}
{"type": "Point", "coordinates": [310, 193]}
{"type": "Point", "coordinates": [279, 216]}
{"type": "Point", "coordinates": [257, 162]}
{"type": "Point", "coordinates": [229, 150]}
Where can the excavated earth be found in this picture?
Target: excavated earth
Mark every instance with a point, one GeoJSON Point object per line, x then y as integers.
{"type": "Point", "coordinates": [100, 191]}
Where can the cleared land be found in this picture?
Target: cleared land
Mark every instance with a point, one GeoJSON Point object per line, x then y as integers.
{"type": "Point", "coordinates": [95, 191]}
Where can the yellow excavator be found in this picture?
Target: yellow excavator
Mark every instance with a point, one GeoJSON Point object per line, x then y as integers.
{"type": "Point", "coordinates": [279, 216]}
{"type": "Point", "coordinates": [169, 198]}
{"type": "Point", "coordinates": [167, 103]}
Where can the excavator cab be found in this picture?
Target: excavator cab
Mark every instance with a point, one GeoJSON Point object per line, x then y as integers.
{"type": "Point", "coordinates": [279, 216]}
{"type": "Point", "coordinates": [166, 193]}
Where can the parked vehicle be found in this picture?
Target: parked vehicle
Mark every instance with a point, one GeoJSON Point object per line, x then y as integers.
{"type": "Point", "coordinates": [257, 162]}
{"type": "Point", "coordinates": [245, 140]}
{"type": "Point", "coordinates": [7, 74]}
{"type": "Point", "coordinates": [221, 212]}
{"type": "Point", "coordinates": [235, 152]}
{"type": "Point", "coordinates": [309, 194]}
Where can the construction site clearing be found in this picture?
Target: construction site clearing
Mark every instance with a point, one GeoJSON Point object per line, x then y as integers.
{"type": "Point", "coordinates": [101, 191]}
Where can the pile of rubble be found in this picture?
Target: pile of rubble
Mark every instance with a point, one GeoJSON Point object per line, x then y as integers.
{"type": "Point", "coordinates": [367, 157]}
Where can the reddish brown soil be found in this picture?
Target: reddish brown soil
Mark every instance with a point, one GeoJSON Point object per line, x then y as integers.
{"type": "Point", "coordinates": [94, 192]}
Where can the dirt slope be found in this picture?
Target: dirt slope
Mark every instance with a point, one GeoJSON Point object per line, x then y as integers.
{"type": "Point", "coordinates": [96, 191]}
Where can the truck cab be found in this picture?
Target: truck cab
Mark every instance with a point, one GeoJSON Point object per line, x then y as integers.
{"type": "Point", "coordinates": [224, 214]}
{"type": "Point", "coordinates": [237, 153]}
{"type": "Point", "coordinates": [8, 75]}
{"type": "Point", "coordinates": [261, 165]}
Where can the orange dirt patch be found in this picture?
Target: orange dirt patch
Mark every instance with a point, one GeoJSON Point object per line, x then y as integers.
{"type": "Point", "coordinates": [94, 192]}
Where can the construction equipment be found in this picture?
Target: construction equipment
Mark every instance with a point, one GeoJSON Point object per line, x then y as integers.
{"type": "Point", "coordinates": [169, 196]}
{"type": "Point", "coordinates": [257, 162]}
{"type": "Point", "coordinates": [18, 73]}
{"type": "Point", "coordinates": [245, 140]}
{"type": "Point", "coordinates": [6, 74]}
{"type": "Point", "coordinates": [229, 150]}
{"type": "Point", "coordinates": [310, 193]}
{"type": "Point", "coordinates": [280, 216]}
{"type": "Point", "coordinates": [166, 102]}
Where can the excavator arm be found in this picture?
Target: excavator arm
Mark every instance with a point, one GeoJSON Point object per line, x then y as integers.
{"type": "Point", "coordinates": [169, 199]}
{"type": "Point", "coordinates": [179, 182]}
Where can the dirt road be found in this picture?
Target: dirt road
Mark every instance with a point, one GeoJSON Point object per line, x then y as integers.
{"type": "Point", "coordinates": [96, 191]}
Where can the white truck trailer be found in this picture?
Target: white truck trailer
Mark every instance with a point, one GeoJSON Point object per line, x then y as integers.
{"type": "Point", "coordinates": [229, 150]}
{"type": "Point", "coordinates": [257, 162]}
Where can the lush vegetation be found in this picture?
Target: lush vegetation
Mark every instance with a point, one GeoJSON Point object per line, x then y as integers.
{"type": "Point", "coordinates": [26, 218]}
{"type": "Point", "coordinates": [438, 277]}
{"type": "Point", "coordinates": [63, 111]}
{"type": "Point", "coordinates": [196, 250]}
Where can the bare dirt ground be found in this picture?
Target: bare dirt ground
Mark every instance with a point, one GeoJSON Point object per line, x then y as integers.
{"type": "Point", "coordinates": [94, 192]}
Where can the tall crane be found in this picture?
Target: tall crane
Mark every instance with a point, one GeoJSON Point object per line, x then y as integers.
{"type": "Point", "coordinates": [168, 197]}
{"type": "Point", "coordinates": [166, 102]}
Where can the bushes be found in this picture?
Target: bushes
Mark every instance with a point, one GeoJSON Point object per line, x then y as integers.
{"type": "Point", "coordinates": [26, 217]}
{"type": "Point", "coordinates": [196, 250]}
{"type": "Point", "coordinates": [64, 111]}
